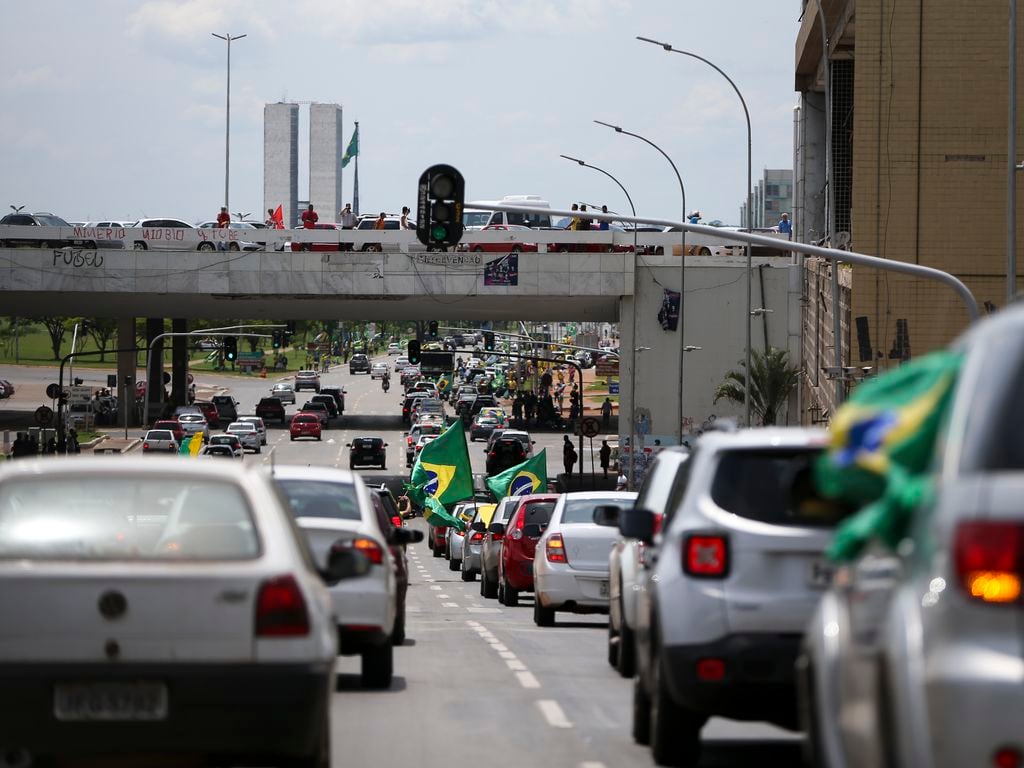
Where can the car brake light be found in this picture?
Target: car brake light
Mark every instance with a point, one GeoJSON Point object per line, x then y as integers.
{"type": "Point", "coordinates": [281, 609]}
{"type": "Point", "coordinates": [145, 446]}
{"type": "Point", "coordinates": [370, 548]}
{"type": "Point", "coordinates": [989, 559]}
{"type": "Point", "coordinates": [477, 536]}
{"type": "Point", "coordinates": [1007, 757]}
{"type": "Point", "coordinates": [711, 670]}
{"type": "Point", "coordinates": [554, 550]}
{"type": "Point", "coordinates": [706, 556]}
{"type": "Point", "coordinates": [396, 521]}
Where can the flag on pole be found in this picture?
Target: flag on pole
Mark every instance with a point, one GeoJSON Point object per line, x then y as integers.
{"type": "Point", "coordinates": [278, 218]}
{"type": "Point", "coordinates": [881, 445]}
{"type": "Point", "coordinates": [442, 475]}
{"type": "Point", "coordinates": [353, 148]}
{"type": "Point", "coordinates": [523, 479]}
{"type": "Point", "coordinates": [191, 446]}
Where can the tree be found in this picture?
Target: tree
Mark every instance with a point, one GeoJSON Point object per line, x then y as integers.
{"type": "Point", "coordinates": [56, 327]}
{"type": "Point", "coordinates": [772, 381]}
{"type": "Point", "coordinates": [102, 330]}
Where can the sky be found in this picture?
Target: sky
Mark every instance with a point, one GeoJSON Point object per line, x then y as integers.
{"type": "Point", "coordinates": [116, 109]}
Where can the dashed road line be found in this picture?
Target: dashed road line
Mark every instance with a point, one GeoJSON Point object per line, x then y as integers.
{"type": "Point", "coordinates": [516, 665]}
{"type": "Point", "coordinates": [553, 713]}
{"type": "Point", "coordinates": [449, 605]}
{"type": "Point", "coordinates": [527, 680]}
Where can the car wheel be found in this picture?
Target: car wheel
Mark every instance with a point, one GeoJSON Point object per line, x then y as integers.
{"type": "Point", "coordinates": [488, 588]}
{"type": "Point", "coordinates": [501, 589]}
{"type": "Point", "coordinates": [205, 247]}
{"type": "Point", "coordinates": [626, 663]}
{"type": "Point", "coordinates": [542, 617]}
{"type": "Point", "coordinates": [321, 757]}
{"type": "Point", "coordinates": [641, 713]}
{"type": "Point", "coordinates": [613, 645]}
{"type": "Point", "coordinates": [438, 552]}
{"type": "Point", "coordinates": [234, 247]}
{"type": "Point", "coordinates": [454, 565]}
{"type": "Point", "coordinates": [468, 576]}
{"type": "Point", "coordinates": [398, 633]}
{"type": "Point", "coordinates": [511, 596]}
{"type": "Point", "coordinates": [351, 464]}
{"type": "Point", "coordinates": [319, 438]}
{"type": "Point", "coordinates": [138, 245]}
{"type": "Point", "coordinates": [258, 449]}
{"type": "Point", "coordinates": [378, 666]}
{"type": "Point", "coordinates": [675, 730]}
{"type": "Point", "coordinates": [478, 249]}
{"type": "Point", "coordinates": [383, 465]}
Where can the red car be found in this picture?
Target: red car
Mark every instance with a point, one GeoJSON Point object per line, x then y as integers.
{"type": "Point", "coordinates": [437, 537]}
{"type": "Point", "coordinates": [524, 527]}
{"type": "Point", "coordinates": [210, 413]}
{"type": "Point", "coordinates": [509, 247]}
{"type": "Point", "coordinates": [332, 246]}
{"type": "Point", "coordinates": [305, 425]}
{"type": "Point", "coordinates": [173, 425]}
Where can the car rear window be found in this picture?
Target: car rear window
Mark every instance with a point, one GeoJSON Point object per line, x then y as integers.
{"type": "Point", "coordinates": [538, 512]}
{"type": "Point", "coordinates": [367, 442]}
{"type": "Point", "coordinates": [582, 510]}
{"type": "Point", "coordinates": [311, 498]}
{"type": "Point", "coordinates": [775, 487]}
{"type": "Point", "coordinates": [125, 518]}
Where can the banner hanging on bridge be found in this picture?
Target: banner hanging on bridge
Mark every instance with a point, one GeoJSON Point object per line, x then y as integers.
{"type": "Point", "coordinates": [503, 271]}
{"type": "Point", "coordinates": [668, 315]}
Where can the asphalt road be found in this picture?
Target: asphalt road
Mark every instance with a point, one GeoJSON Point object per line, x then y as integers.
{"type": "Point", "coordinates": [477, 682]}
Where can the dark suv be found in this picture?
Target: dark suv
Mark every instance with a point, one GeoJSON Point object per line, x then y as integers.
{"type": "Point", "coordinates": [504, 454]}
{"type": "Point", "coordinates": [271, 408]}
{"type": "Point", "coordinates": [227, 407]}
{"type": "Point", "coordinates": [367, 451]}
{"type": "Point", "coordinates": [338, 393]}
{"type": "Point", "coordinates": [39, 220]}
{"type": "Point", "coordinates": [359, 364]}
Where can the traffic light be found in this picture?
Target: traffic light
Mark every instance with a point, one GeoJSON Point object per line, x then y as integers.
{"type": "Point", "coordinates": [230, 348]}
{"type": "Point", "coordinates": [442, 192]}
{"type": "Point", "coordinates": [433, 328]}
{"type": "Point", "coordinates": [489, 341]}
{"type": "Point", "coordinates": [414, 352]}
{"type": "Point", "coordinates": [276, 339]}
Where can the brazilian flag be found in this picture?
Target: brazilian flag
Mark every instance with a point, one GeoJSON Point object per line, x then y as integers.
{"type": "Point", "coordinates": [523, 479]}
{"type": "Point", "coordinates": [192, 445]}
{"type": "Point", "coordinates": [442, 476]}
{"type": "Point", "coordinates": [881, 444]}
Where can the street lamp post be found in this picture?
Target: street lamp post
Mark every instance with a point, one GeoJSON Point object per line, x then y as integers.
{"type": "Point", "coordinates": [682, 266]}
{"type": "Point", "coordinates": [632, 368]}
{"type": "Point", "coordinates": [17, 208]}
{"type": "Point", "coordinates": [750, 205]}
{"type": "Point", "coordinates": [227, 123]}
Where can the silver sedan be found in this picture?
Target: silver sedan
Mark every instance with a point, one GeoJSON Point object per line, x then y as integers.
{"type": "Point", "coordinates": [284, 392]}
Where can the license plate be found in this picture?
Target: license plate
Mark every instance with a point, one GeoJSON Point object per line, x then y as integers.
{"type": "Point", "coordinates": [137, 700]}
{"type": "Point", "coordinates": [820, 574]}
{"type": "Point", "coordinates": [604, 589]}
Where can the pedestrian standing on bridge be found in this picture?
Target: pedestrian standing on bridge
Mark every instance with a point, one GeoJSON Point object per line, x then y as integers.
{"type": "Point", "coordinates": [574, 222]}
{"type": "Point", "coordinates": [584, 225]}
{"type": "Point", "coordinates": [404, 222]}
{"type": "Point", "coordinates": [309, 218]}
{"type": "Point", "coordinates": [785, 225]}
{"type": "Point", "coordinates": [569, 455]}
{"type": "Point", "coordinates": [348, 220]}
{"type": "Point", "coordinates": [604, 224]}
{"type": "Point", "coordinates": [223, 222]}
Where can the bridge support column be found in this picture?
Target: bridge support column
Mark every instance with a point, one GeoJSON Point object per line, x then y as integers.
{"type": "Point", "coordinates": [126, 365]}
{"type": "Point", "coordinates": [179, 362]}
{"type": "Point", "coordinates": [155, 374]}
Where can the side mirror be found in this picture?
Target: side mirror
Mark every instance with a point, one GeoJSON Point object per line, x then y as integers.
{"type": "Point", "coordinates": [406, 536]}
{"type": "Point", "coordinates": [607, 515]}
{"type": "Point", "coordinates": [348, 445]}
{"type": "Point", "coordinates": [497, 528]}
{"type": "Point", "coordinates": [637, 524]}
{"type": "Point", "coordinates": [344, 563]}
{"type": "Point", "coordinates": [385, 445]}
{"type": "Point", "coordinates": [532, 530]}
{"type": "Point", "coordinates": [479, 526]}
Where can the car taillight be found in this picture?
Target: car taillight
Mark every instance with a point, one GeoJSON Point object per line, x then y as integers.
{"type": "Point", "coordinates": [396, 521]}
{"type": "Point", "coordinates": [145, 446]}
{"type": "Point", "coordinates": [477, 536]}
{"type": "Point", "coordinates": [370, 548]}
{"type": "Point", "coordinates": [989, 560]}
{"type": "Point", "coordinates": [281, 609]}
{"type": "Point", "coordinates": [492, 454]}
{"type": "Point", "coordinates": [554, 550]}
{"type": "Point", "coordinates": [1007, 757]}
{"type": "Point", "coordinates": [706, 556]}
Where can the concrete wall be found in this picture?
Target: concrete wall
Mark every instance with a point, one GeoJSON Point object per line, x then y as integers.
{"type": "Point", "coordinates": [325, 151]}
{"type": "Point", "coordinates": [281, 160]}
{"type": "Point", "coordinates": [809, 215]}
{"type": "Point", "coordinates": [714, 307]}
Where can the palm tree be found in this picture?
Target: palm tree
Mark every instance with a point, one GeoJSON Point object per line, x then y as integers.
{"type": "Point", "coordinates": [772, 381]}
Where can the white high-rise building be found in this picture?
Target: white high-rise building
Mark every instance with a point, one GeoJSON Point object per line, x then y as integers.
{"type": "Point", "coordinates": [281, 160]}
{"type": "Point", "coordinates": [325, 151]}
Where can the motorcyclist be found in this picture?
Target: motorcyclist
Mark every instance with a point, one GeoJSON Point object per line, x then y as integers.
{"type": "Point", "coordinates": [385, 382]}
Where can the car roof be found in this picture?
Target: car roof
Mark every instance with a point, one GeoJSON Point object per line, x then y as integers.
{"type": "Point", "coordinates": [601, 495]}
{"type": "Point", "coordinates": [322, 473]}
{"type": "Point", "coordinates": [765, 437]}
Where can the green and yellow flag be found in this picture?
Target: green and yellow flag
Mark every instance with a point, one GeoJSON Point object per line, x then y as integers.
{"type": "Point", "coordinates": [191, 446]}
{"type": "Point", "coordinates": [523, 479]}
{"type": "Point", "coordinates": [881, 445]}
{"type": "Point", "coordinates": [442, 475]}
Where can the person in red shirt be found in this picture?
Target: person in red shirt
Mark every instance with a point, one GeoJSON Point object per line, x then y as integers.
{"type": "Point", "coordinates": [223, 222]}
{"type": "Point", "coordinates": [309, 217]}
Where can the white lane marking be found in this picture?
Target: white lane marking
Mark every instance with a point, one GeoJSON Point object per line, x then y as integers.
{"type": "Point", "coordinates": [433, 587]}
{"type": "Point", "coordinates": [516, 665]}
{"type": "Point", "coordinates": [498, 647]}
{"type": "Point", "coordinates": [592, 765]}
{"type": "Point", "coordinates": [449, 605]}
{"type": "Point", "coordinates": [553, 713]}
{"type": "Point", "coordinates": [527, 680]}
{"type": "Point", "coordinates": [474, 624]}
{"type": "Point", "coordinates": [444, 597]}
{"type": "Point", "coordinates": [507, 655]}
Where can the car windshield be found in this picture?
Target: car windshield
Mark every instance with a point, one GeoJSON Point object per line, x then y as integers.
{"type": "Point", "coordinates": [475, 218]}
{"type": "Point", "coordinates": [314, 498]}
{"type": "Point", "coordinates": [775, 487]}
{"type": "Point", "coordinates": [125, 518]}
{"type": "Point", "coordinates": [49, 220]}
{"type": "Point", "coordinates": [582, 510]}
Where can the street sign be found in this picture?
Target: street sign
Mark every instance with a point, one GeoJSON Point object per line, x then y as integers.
{"type": "Point", "coordinates": [613, 387]}
{"type": "Point", "coordinates": [590, 427]}
{"type": "Point", "coordinates": [52, 391]}
{"type": "Point", "coordinates": [80, 394]}
{"type": "Point", "coordinates": [44, 415]}
{"type": "Point", "coordinates": [607, 366]}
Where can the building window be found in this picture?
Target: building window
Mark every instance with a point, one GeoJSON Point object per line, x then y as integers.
{"type": "Point", "coordinates": [772, 190]}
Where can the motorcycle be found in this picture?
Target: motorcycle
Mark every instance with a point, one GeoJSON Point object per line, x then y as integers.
{"type": "Point", "coordinates": [385, 383]}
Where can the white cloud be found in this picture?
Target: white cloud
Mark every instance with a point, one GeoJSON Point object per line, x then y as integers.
{"type": "Point", "coordinates": [180, 20]}
{"type": "Point", "coordinates": [35, 79]}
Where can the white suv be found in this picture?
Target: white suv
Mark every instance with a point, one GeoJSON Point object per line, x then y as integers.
{"type": "Point", "coordinates": [737, 572]}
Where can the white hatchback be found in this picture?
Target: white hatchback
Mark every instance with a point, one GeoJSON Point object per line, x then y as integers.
{"type": "Point", "coordinates": [160, 606]}
{"type": "Point", "coordinates": [570, 567]}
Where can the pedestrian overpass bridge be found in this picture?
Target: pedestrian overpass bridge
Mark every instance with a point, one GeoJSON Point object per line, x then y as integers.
{"type": "Point", "coordinates": [527, 279]}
